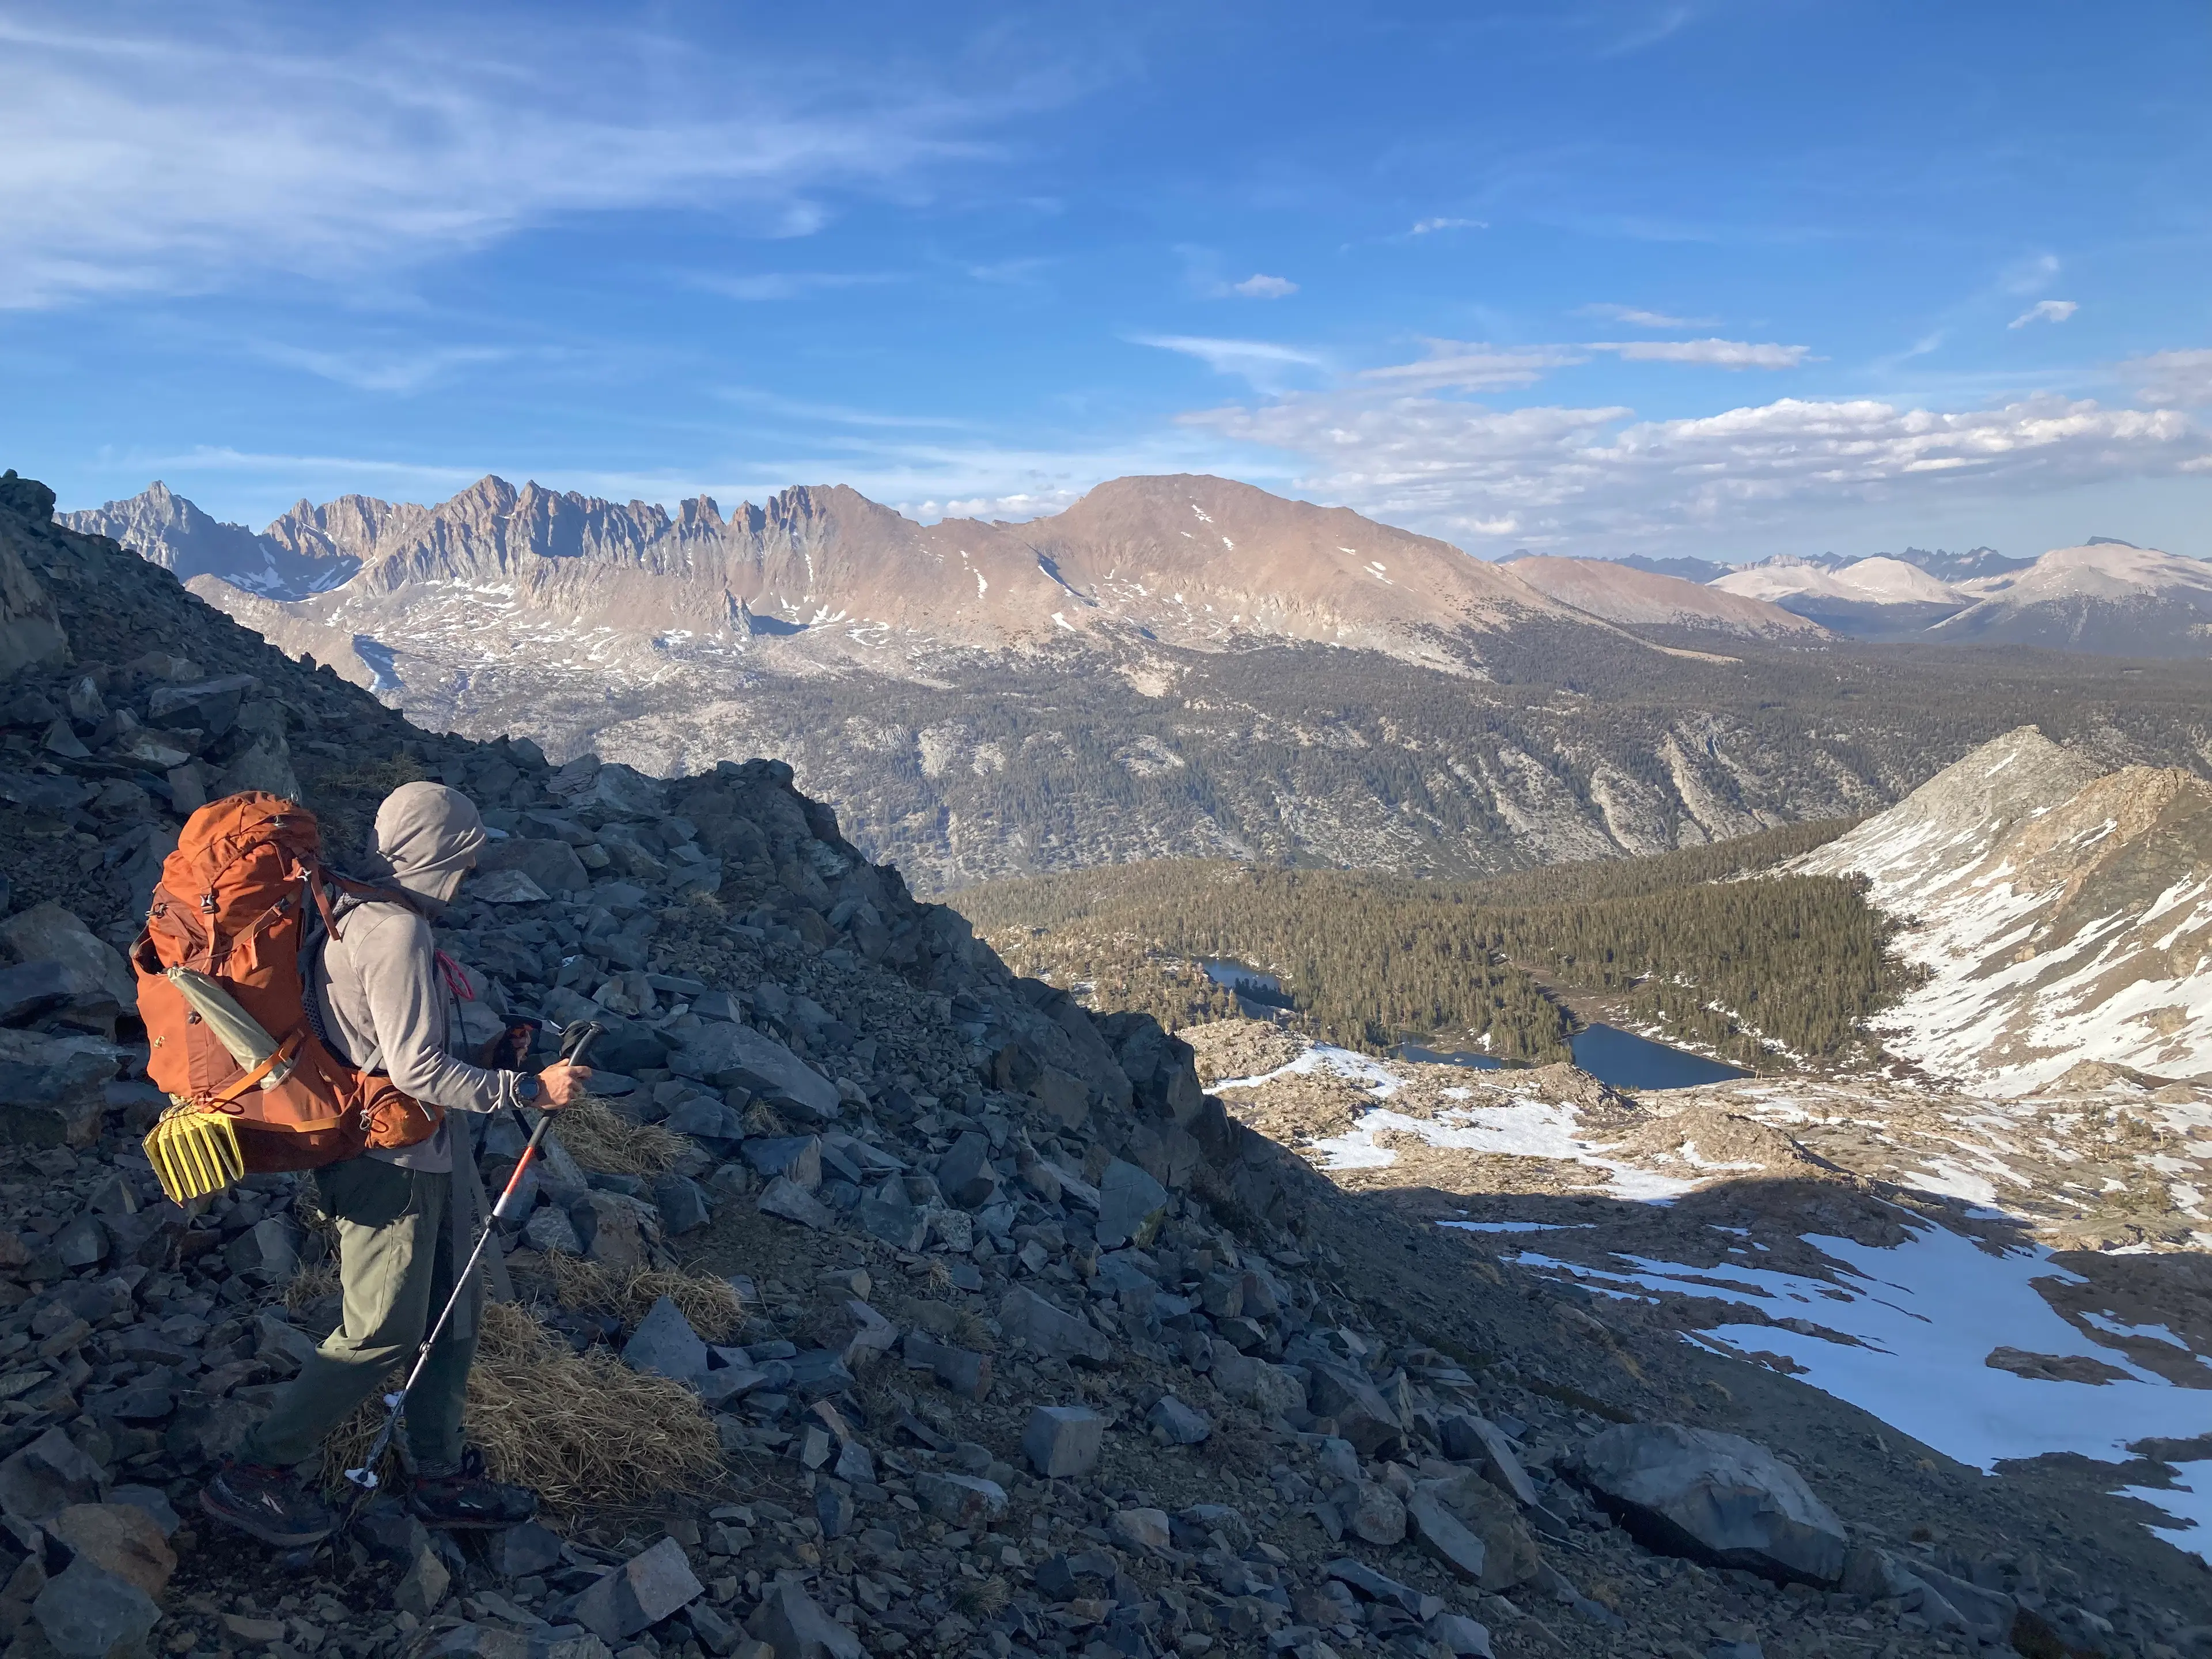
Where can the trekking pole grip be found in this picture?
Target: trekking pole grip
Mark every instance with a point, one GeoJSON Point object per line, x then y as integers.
{"type": "Point", "coordinates": [576, 1045]}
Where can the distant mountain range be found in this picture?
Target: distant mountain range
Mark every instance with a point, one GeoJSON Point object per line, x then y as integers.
{"type": "Point", "coordinates": [1174, 665]}
{"type": "Point", "coordinates": [2106, 595]}
{"type": "Point", "coordinates": [1195, 561]}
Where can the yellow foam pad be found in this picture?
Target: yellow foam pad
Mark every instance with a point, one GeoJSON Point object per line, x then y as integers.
{"type": "Point", "coordinates": [194, 1154]}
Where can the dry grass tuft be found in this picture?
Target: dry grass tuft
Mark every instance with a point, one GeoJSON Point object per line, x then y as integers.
{"type": "Point", "coordinates": [600, 1138]}
{"type": "Point", "coordinates": [579, 1431]}
{"type": "Point", "coordinates": [712, 1304]}
{"type": "Point", "coordinates": [983, 1601]}
{"type": "Point", "coordinates": [309, 1285]}
{"type": "Point", "coordinates": [760, 1119]}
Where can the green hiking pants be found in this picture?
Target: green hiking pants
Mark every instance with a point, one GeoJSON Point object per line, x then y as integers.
{"type": "Point", "coordinates": [396, 1263]}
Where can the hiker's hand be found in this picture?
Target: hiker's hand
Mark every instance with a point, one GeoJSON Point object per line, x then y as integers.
{"type": "Point", "coordinates": [558, 1085]}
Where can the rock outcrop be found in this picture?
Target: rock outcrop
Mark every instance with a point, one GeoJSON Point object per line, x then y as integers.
{"type": "Point", "coordinates": [2062, 911]}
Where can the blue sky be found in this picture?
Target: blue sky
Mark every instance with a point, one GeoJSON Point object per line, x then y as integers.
{"type": "Point", "coordinates": [1727, 279]}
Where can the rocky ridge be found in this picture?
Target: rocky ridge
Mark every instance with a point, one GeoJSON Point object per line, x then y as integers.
{"type": "Point", "coordinates": [1235, 676]}
{"type": "Point", "coordinates": [1149, 558]}
{"type": "Point", "coordinates": [2060, 910]}
{"type": "Point", "coordinates": [1040, 1350]}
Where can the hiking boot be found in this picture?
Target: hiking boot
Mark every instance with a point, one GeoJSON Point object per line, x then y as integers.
{"type": "Point", "coordinates": [464, 1498]}
{"type": "Point", "coordinates": [267, 1504]}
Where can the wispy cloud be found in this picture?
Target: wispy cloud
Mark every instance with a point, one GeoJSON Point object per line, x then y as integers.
{"type": "Point", "coordinates": [400, 372]}
{"type": "Point", "coordinates": [1264, 362]}
{"type": "Point", "coordinates": [156, 158]}
{"type": "Point", "coordinates": [1655, 26]}
{"type": "Point", "coordinates": [1636, 316]}
{"type": "Point", "coordinates": [1011, 273]}
{"type": "Point", "coordinates": [1464, 366]}
{"type": "Point", "coordinates": [2045, 311]}
{"type": "Point", "coordinates": [1715, 354]}
{"type": "Point", "coordinates": [1259, 287]}
{"type": "Point", "coordinates": [1476, 366]}
{"type": "Point", "coordinates": [1431, 227]}
{"type": "Point", "coordinates": [831, 414]}
{"type": "Point", "coordinates": [784, 284]}
{"type": "Point", "coordinates": [2172, 379]}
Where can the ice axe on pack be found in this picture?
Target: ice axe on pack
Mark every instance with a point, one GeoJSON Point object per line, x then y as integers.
{"type": "Point", "coordinates": [576, 1040]}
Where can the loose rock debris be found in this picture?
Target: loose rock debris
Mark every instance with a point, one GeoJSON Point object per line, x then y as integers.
{"type": "Point", "coordinates": [897, 1306]}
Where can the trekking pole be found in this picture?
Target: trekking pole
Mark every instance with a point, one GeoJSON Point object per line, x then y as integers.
{"type": "Point", "coordinates": [575, 1040]}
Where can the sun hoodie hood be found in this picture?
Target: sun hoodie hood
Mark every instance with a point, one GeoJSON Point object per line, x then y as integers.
{"type": "Point", "coordinates": [427, 837]}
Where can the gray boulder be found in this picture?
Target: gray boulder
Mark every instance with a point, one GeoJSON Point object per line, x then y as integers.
{"type": "Point", "coordinates": [786, 1197]}
{"type": "Point", "coordinates": [1177, 1422]}
{"type": "Point", "coordinates": [32, 988]}
{"type": "Point", "coordinates": [1362, 1415]}
{"type": "Point", "coordinates": [683, 1203]}
{"type": "Point", "coordinates": [1460, 1636]}
{"type": "Point", "coordinates": [1716, 1497]}
{"type": "Point", "coordinates": [798, 1158]}
{"type": "Point", "coordinates": [788, 1620]}
{"type": "Point", "coordinates": [1130, 1204]}
{"type": "Point", "coordinates": [719, 1046]}
{"type": "Point", "coordinates": [965, 1174]}
{"type": "Point", "coordinates": [50, 1088]}
{"type": "Point", "coordinates": [1477, 1440]}
{"type": "Point", "coordinates": [553, 865]}
{"type": "Point", "coordinates": [47, 1476]}
{"type": "Point", "coordinates": [267, 765]}
{"type": "Point", "coordinates": [507, 887]}
{"type": "Point", "coordinates": [1471, 1533]}
{"type": "Point", "coordinates": [1062, 1441]}
{"type": "Point", "coordinates": [643, 1591]}
{"type": "Point", "coordinates": [1946, 1603]}
{"type": "Point", "coordinates": [665, 1345]}
{"type": "Point", "coordinates": [89, 1612]}
{"type": "Point", "coordinates": [1023, 1314]}
{"type": "Point", "coordinates": [51, 933]}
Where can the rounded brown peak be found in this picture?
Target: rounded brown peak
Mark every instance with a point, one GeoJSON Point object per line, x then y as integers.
{"type": "Point", "coordinates": [1271, 564]}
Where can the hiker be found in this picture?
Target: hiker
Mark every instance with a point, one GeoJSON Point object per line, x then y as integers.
{"type": "Point", "coordinates": [406, 1216]}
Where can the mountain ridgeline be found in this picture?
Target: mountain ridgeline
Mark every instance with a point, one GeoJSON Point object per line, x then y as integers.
{"type": "Point", "coordinates": [1173, 668]}
{"type": "Point", "coordinates": [1771, 974]}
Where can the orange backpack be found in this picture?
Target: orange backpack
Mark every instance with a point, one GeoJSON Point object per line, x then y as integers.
{"type": "Point", "coordinates": [243, 901]}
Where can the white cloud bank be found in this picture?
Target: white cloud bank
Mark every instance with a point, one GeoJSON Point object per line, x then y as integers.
{"type": "Point", "coordinates": [1598, 477]}
{"type": "Point", "coordinates": [145, 158]}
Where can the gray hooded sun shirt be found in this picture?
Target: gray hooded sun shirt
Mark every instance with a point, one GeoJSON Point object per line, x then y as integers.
{"type": "Point", "coordinates": [383, 1004]}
